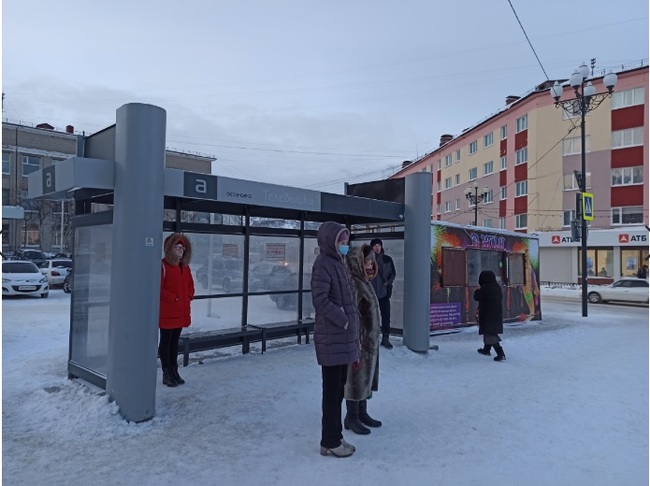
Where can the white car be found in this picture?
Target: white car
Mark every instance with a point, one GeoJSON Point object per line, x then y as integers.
{"type": "Point", "coordinates": [629, 289]}
{"type": "Point", "coordinates": [23, 278]}
{"type": "Point", "coordinates": [56, 270]}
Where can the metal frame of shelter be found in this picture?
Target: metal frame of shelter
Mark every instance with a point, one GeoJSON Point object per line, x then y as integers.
{"type": "Point", "coordinates": [117, 251]}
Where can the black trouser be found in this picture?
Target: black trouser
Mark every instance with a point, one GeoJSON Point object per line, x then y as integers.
{"type": "Point", "coordinates": [384, 309]}
{"type": "Point", "coordinates": [334, 378]}
{"type": "Point", "coordinates": [168, 347]}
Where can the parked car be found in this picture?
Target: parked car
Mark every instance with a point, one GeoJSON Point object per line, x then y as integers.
{"type": "Point", "coordinates": [268, 276]}
{"type": "Point", "coordinates": [628, 289]}
{"type": "Point", "coordinates": [56, 270]}
{"type": "Point", "coordinates": [23, 278]}
{"type": "Point", "coordinates": [67, 283]}
{"type": "Point", "coordinates": [35, 256]}
{"type": "Point", "coordinates": [227, 273]}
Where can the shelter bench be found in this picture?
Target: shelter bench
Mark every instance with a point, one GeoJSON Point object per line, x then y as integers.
{"type": "Point", "coordinates": [223, 338]}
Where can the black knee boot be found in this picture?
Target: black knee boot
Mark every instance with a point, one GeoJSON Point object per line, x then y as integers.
{"type": "Point", "coordinates": [352, 421]}
{"type": "Point", "coordinates": [176, 376]}
{"type": "Point", "coordinates": [364, 417]}
{"type": "Point", "coordinates": [168, 378]}
{"type": "Point", "coordinates": [501, 356]}
{"type": "Point", "coordinates": [485, 349]}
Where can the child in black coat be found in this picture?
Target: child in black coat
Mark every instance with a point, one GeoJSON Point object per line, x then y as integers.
{"type": "Point", "coordinates": [490, 313]}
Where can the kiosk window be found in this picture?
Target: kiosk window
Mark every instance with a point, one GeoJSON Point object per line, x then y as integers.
{"type": "Point", "coordinates": [516, 269]}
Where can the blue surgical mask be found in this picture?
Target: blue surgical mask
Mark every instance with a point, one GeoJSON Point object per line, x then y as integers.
{"type": "Point", "coordinates": [343, 249]}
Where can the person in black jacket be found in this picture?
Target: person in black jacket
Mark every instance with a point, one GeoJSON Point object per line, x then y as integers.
{"type": "Point", "coordinates": [383, 285]}
{"type": "Point", "coordinates": [490, 313]}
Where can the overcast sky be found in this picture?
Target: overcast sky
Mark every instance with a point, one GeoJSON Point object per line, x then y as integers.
{"type": "Point", "coordinates": [309, 94]}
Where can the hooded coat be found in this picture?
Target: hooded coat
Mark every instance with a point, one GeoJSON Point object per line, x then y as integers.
{"type": "Point", "coordinates": [336, 321]}
{"type": "Point", "coordinates": [489, 297]}
{"type": "Point", "coordinates": [364, 379]}
{"type": "Point", "coordinates": [176, 285]}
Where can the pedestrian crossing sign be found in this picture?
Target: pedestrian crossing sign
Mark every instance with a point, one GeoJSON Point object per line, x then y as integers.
{"type": "Point", "coordinates": [588, 206]}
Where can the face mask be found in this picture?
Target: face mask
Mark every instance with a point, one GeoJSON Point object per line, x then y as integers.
{"type": "Point", "coordinates": [343, 249]}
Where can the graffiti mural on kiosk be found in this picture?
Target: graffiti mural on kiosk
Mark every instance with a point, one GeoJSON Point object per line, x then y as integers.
{"type": "Point", "coordinates": [458, 255]}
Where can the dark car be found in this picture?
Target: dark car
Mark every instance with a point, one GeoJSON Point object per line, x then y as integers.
{"type": "Point", "coordinates": [36, 256]}
{"type": "Point", "coordinates": [268, 276]}
{"type": "Point", "coordinates": [227, 273]}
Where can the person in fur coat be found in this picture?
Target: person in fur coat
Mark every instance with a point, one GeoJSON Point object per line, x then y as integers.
{"type": "Point", "coordinates": [363, 376]}
{"type": "Point", "coordinates": [176, 293]}
{"type": "Point", "coordinates": [490, 313]}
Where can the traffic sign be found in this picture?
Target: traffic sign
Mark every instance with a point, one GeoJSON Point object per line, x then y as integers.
{"type": "Point", "coordinates": [588, 206]}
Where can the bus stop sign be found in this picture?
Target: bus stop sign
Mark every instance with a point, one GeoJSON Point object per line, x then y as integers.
{"type": "Point", "coordinates": [588, 206]}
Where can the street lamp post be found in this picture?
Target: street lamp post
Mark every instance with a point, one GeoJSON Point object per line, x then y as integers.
{"type": "Point", "coordinates": [475, 198]}
{"type": "Point", "coordinates": [585, 101]}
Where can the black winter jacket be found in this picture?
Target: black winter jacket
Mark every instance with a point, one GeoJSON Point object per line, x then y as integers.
{"type": "Point", "coordinates": [489, 297]}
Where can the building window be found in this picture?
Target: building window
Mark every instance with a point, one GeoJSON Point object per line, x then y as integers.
{"type": "Point", "coordinates": [489, 196]}
{"type": "Point", "coordinates": [573, 146]}
{"type": "Point", "coordinates": [504, 162]}
{"type": "Point", "coordinates": [439, 186]}
{"type": "Point", "coordinates": [521, 188]}
{"type": "Point", "coordinates": [447, 160]}
{"type": "Point", "coordinates": [457, 179]}
{"type": "Point", "coordinates": [631, 260]}
{"type": "Point", "coordinates": [627, 215]}
{"type": "Point", "coordinates": [521, 221]}
{"type": "Point", "coordinates": [600, 262]}
{"type": "Point", "coordinates": [473, 147]}
{"type": "Point", "coordinates": [488, 140]}
{"type": "Point", "coordinates": [568, 216]}
{"type": "Point", "coordinates": [627, 138]}
{"type": "Point", "coordinates": [457, 204]}
{"type": "Point", "coordinates": [458, 155]}
{"type": "Point", "coordinates": [571, 184]}
{"type": "Point", "coordinates": [629, 97]}
{"type": "Point", "coordinates": [6, 163]}
{"type": "Point", "coordinates": [521, 124]}
{"type": "Point", "coordinates": [504, 192]}
{"type": "Point", "coordinates": [488, 167]}
{"type": "Point", "coordinates": [439, 208]}
{"type": "Point", "coordinates": [31, 163]}
{"type": "Point", "coordinates": [473, 173]}
{"type": "Point", "coordinates": [448, 183]}
{"type": "Point", "coordinates": [502, 223]}
{"type": "Point", "coordinates": [447, 206]}
{"type": "Point", "coordinates": [504, 132]}
{"type": "Point", "coordinates": [521, 156]}
{"type": "Point", "coordinates": [439, 164]}
{"type": "Point", "coordinates": [627, 176]}
{"type": "Point", "coordinates": [487, 223]}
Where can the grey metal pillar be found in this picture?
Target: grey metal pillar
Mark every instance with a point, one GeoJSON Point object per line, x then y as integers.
{"type": "Point", "coordinates": [417, 256]}
{"type": "Point", "coordinates": [137, 249]}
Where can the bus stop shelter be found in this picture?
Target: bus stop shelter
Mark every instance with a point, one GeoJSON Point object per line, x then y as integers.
{"type": "Point", "coordinates": [244, 234]}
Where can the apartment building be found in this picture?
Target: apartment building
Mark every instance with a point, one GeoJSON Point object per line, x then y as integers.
{"type": "Point", "coordinates": [525, 156]}
{"type": "Point", "coordinates": [46, 225]}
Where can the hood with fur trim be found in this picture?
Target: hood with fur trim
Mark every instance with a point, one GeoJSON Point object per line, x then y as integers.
{"type": "Point", "coordinates": [356, 262]}
{"type": "Point", "coordinates": [168, 248]}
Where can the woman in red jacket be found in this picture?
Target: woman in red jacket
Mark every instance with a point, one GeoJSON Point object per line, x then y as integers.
{"type": "Point", "coordinates": [176, 293]}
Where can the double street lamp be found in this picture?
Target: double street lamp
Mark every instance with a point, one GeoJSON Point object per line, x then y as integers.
{"type": "Point", "coordinates": [585, 101]}
{"type": "Point", "coordinates": [474, 198]}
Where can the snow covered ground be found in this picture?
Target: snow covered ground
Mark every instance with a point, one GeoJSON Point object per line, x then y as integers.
{"type": "Point", "coordinates": [568, 407]}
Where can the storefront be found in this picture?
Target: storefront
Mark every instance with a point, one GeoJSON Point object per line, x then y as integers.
{"type": "Point", "coordinates": [611, 254]}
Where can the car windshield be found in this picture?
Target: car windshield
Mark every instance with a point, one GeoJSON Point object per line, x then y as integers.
{"type": "Point", "coordinates": [16, 267]}
{"type": "Point", "coordinates": [62, 263]}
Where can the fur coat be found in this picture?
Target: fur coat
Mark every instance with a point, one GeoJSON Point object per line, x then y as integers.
{"type": "Point", "coordinates": [363, 378]}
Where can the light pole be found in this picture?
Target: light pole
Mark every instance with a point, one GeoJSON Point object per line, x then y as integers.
{"type": "Point", "coordinates": [475, 199]}
{"type": "Point", "coordinates": [585, 101]}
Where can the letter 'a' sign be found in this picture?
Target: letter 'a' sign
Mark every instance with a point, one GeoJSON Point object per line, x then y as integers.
{"type": "Point", "coordinates": [588, 206]}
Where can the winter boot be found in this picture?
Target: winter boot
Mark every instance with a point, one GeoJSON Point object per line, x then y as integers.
{"type": "Point", "coordinates": [385, 342]}
{"type": "Point", "coordinates": [364, 417]}
{"type": "Point", "coordinates": [485, 349]}
{"type": "Point", "coordinates": [176, 376]}
{"type": "Point", "coordinates": [352, 421]}
{"type": "Point", "coordinates": [501, 356]}
{"type": "Point", "coordinates": [344, 450]}
{"type": "Point", "coordinates": [168, 378]}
